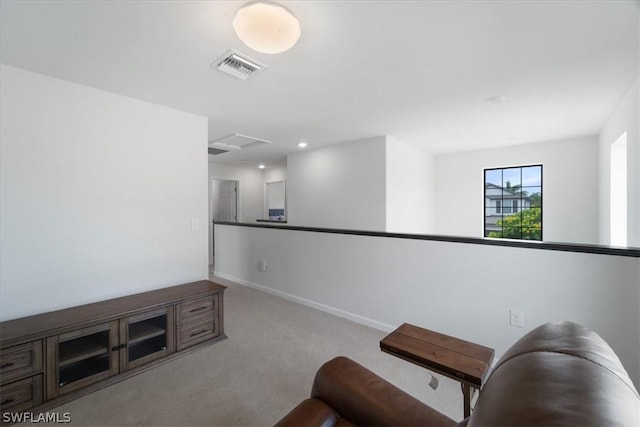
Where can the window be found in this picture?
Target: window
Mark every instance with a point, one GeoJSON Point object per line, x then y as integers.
{"type": "Point", "coordinates": [513, 202]}
{"type": "Point", "coordinates": [618, 201]}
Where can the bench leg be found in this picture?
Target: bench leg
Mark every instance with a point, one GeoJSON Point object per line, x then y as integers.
{"type": "Point", "coordinates": [466, 391]}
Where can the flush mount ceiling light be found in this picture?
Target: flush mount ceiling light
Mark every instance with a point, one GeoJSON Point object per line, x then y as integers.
{"type": "Point", "coordinates": [261, 166]}
{"type": "Point", "coordinates": [302, 144]}
{"type": "Point", "coordinates": [266, 27]}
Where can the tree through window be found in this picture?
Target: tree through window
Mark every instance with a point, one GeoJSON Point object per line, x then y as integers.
{"type": "Point", "coordinates": [513, 202]}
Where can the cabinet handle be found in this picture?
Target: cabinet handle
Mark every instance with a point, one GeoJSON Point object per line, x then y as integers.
{"type": "Point", "coordinates": [204, 307]}
{"type": "Point", "coordinates": [4, 402]}
{"type": "Point", "coordinates": [6, 365]}
{"type": "Point", "coordinates": [123, 346]}
{"type": "Point", "coordinates": [204, 331]}
{"type": "Point", "coordinates": [115, 348]}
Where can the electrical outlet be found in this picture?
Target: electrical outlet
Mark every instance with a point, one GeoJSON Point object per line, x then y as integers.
{"type": "Point", "coordinates": [262, 265]}
{"type": "Point", "coordinates": [195, 225]}
{"type": "Point", "coordinates": [516, 318]}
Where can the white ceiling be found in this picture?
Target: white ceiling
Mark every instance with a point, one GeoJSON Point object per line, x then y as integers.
{"type": "Point", "coordinates": [415, 70]}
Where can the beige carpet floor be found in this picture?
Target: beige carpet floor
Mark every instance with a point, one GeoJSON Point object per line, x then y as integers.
{"type": "Point", "coordinates": [257, 375]}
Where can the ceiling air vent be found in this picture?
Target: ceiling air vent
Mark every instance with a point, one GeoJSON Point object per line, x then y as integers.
{"type": "Point", "coordinates": [237, 64]}
{"type": "Point", "coordinates": [216, 151]}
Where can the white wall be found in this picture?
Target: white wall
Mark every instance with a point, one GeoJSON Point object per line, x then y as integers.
{"type": "Point", "coordinates": [384, 282]}
{"type": "Point", "coordinates": [249, 188]}
{"type": "Point", "coordinates": [340, 186]}
{"type": "Point", "coordinates": [570, 188]}
{"type": "Point", "coordinates": [98, 193]}
{"type": "Point", "coordinates": [249, 193]}
{"type": "Point", "coordinates": [410, 187]}
{"type": "Point", "coordinates": [274, 174]}
{"type": "Point", "coordinates": [624, 118]}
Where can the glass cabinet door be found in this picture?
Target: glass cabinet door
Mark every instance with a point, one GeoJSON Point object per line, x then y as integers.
{"type": "Point", "coordinates": [146, 337]}
{"type": "Point", "coordinates": [85, 356]}
{"type": "Point", "coordinates": [81, 357]}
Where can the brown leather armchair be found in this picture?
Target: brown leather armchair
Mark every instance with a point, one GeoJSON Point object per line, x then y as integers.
{"type": "Point", "coordinates": [559, 374]}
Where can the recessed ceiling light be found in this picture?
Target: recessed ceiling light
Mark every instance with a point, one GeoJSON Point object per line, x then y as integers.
{"type": "Point", "coordinates": [261, 166]}
{"type": "Point", "coordinates": [302, 144]}
{"type": "Point", "coordinates": [498, 99]}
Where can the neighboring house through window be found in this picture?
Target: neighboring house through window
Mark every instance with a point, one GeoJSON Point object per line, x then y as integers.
{"type": "Point", "coordinates": [513, 202]}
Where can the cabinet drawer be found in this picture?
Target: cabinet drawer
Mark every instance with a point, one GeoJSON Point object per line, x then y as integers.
{"type": "Point", "coordinates": [196, 309]}
{"type": "Point", "coordinates": [196, 332]}
{"type": "Point", "coordinates": [21, 395]}
{"type": "Point", "coordinates": [20, 361]}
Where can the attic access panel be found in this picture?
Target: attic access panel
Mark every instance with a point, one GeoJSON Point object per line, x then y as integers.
{"type": "Point", "coordinates": [236, 141]}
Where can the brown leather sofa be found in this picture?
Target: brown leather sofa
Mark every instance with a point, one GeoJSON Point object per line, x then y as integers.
{"type": "Point", "coordinates": [559, 374]}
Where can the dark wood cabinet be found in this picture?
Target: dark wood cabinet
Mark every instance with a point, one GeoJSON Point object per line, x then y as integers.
{"type": "Point", "coordinates": [198, 320]}
{"type": "Point", "coordinates": [21, 379]}
{"type": "Point", "coordinates": [81, 357]}
{"type": "Point", "coordinates": [20, 361]}
{"type": "Point", "coordinates": [22, 395]}
{"type": "Point", "coordinates": [146, 337]}
{"type": "Point", "coordinates": [48, 359]}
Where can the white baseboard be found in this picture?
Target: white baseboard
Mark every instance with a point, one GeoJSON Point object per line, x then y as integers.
{"type": "Point", "coordinates": [326, 308]}
{"type": "Point", "coordinates": [318, 306]}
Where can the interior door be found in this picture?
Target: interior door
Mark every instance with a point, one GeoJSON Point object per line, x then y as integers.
{"type": "Point", "coordinates": [227, 205]}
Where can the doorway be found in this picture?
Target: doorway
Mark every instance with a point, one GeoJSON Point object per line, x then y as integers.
{"type": "Point", "coordinates": [274, 201]}
{"type": "Point", "coordinates": [223, 206]}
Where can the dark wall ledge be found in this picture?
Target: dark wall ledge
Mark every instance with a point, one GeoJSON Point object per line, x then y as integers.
{"type": "Point", "coordinates": [549, 246]}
